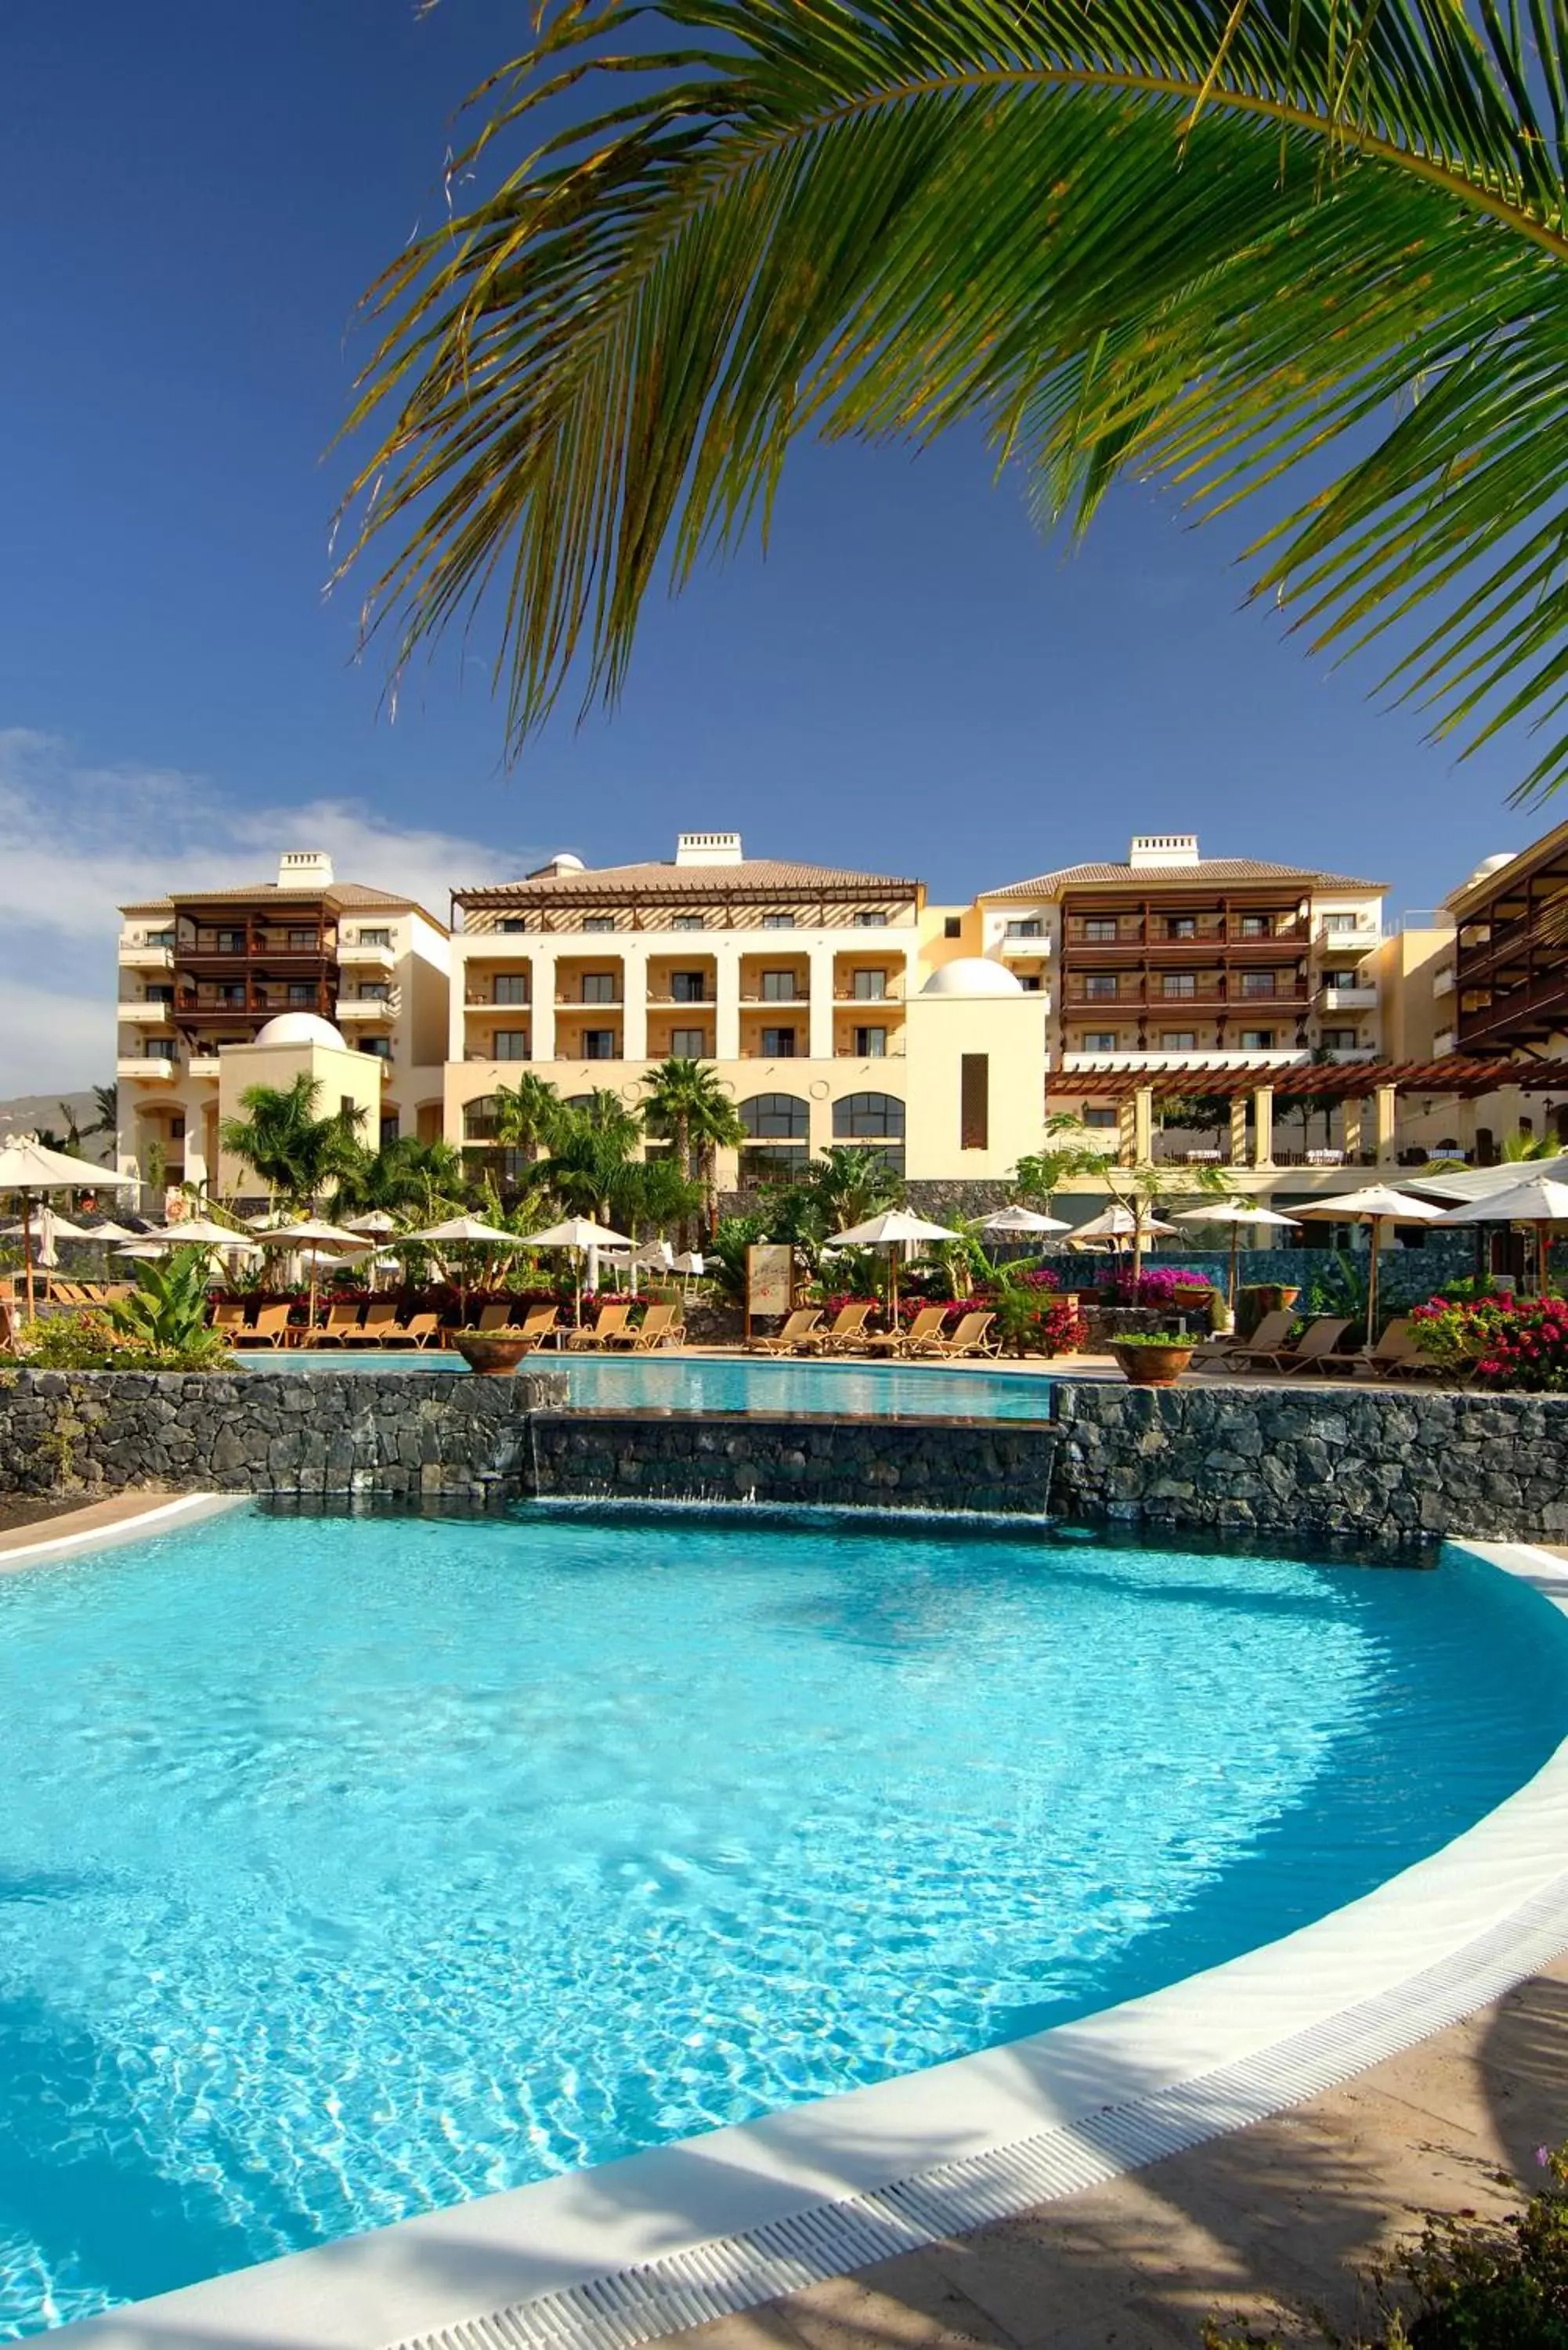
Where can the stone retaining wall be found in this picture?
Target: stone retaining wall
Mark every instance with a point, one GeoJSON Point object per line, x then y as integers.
{"type": "Point", "coordinates": [998, 1465]}
{"type": "Point", "coordinates": [1397, 1466]}
{"type": "Point", "coordinates": [432, 1432]}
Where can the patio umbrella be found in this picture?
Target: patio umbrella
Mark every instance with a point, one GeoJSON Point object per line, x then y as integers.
{"type": "Point", "coordinates": [198, 1232]}
{"type": "Point", "coordinates": [374, 1220]}
{"type": "Point", "coordinates": [28, 1166]}
{"type": "Point", "coordinates": [1378, 1205]}
{"type": "Point", "coordinates": [112, 1232]}
{"type": "Point", "coordinates": [1009, 1223]}
{"type": "Point", "coordinates": [1124, 1227]}
{"type": "Point", "coordinates": [582, 1234]}
{"type": "Point", "coordinates": [893, 1230]}
{"type": "Point", "coordinates": [307, 1232]}
{"type": "Point", "coordinates": [465, 1231]}
{"type": "Point", "coordinates": [1234, 1213]}
{"type": "Point", "coordinates": [1540, 1200]}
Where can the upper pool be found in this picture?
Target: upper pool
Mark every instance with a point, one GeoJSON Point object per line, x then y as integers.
{"type": "Point", "coordinates": [738, 1383]}
{"type": "Point", "coordinates": [353, 1866]}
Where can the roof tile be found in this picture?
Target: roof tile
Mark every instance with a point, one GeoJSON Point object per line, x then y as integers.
{"type": "Point", "coordinates": [1206, 870]}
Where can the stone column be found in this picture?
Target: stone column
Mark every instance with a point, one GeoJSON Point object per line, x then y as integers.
{"type": "Point", "coordinates": [1383, 1106]}
{"type": "Point", "coordinates": [1238, 1129]}
{"type": "Point", "coordinates": [727, 990]}
{"type": "Point", "coordinates": [1350, 1121]}
{"type": "Point", "coordinates": [634, 1005]}
{"type": "Point", "coordinates": [819, 1018]}
{"type": "Point", "coordinates": [1143, 1126]}
{"type": "Point", "coordinates": [542, 1012]}
{"type": "Point", "coordinates": [1264, 1126]}
{"type": "Point", "coordinates": [1126, 1133]}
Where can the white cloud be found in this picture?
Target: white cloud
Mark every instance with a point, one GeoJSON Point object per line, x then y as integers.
{"type": "Point", "coordinates": [77, 842]}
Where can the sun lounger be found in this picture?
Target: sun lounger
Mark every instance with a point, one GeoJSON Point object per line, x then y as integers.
{"type": "Point", "coordinates": [612, 1321]}
{"type": "Point", "coordinates": [497, 1316]}
{"type": "Point", "coordinates": [1235, 1354]}
{"type": "Point", "coordinates": [841, 1336]}
{"type": "Point", "coordinates": [1317, 1343]}
{"type": "Point", "coordinates": [228, 1316]}
{"type": "Point", "coordinates": [380, 1320]}
{"type": "Point", "coordinates": [926, 1325]}
{"type": "Point", "coordinates": [539, 1324]}
{"type": "Point", "coordinates": [419, 1330]}
{"type": "Point", "coordinates": [970, 1337]}
{"type": "Point", "coordinates": [793, 1332]}
{"type": "Point", "coordinates": [269, 1329]}
{"type": "Point", "coordinates": [1395, 1351]}
{"type": "Point", "coordinates": [342, 1324]}
{"type": "Point", "coordinates": [661, 1325]}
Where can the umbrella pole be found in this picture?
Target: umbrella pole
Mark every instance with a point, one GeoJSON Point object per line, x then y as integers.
{"type": "Point", "coordinates": [1235, 1252]}
{"type": "Point", "coordinates": [1375, 1233]}
{"type": "Point", "coordinates": [27, 1248]}
{"type": "Point", "coordinates": [1542, 1258]}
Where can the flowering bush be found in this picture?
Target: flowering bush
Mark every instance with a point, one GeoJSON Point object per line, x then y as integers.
{"type": "Point", "coordinates": [1505, 1341]}
{"type": "Point", "coordinates": [1160, 1285]}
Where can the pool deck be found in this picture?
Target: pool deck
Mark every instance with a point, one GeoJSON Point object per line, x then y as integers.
{"type": "Point", "coordinates": [1263, 2226]}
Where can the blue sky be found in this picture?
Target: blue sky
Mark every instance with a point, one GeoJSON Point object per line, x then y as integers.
{"type": "Point", "coordinates": [194, 196]}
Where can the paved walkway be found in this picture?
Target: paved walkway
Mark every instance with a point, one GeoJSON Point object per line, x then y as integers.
{"type": "Point", "coordinates": [1266, 2226]}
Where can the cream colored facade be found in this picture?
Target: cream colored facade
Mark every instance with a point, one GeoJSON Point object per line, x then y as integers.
{"type": "Point", "coordinates": [200, 977]}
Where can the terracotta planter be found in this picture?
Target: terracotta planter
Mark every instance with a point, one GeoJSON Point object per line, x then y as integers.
{"type": "Point", "coordinates": [1152, 1366]}
{"type": "Point", "coordinates": [494, 1353]}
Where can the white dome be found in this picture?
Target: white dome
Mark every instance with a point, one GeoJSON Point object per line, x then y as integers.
{"type": "Point", "coordinates": [1490, 865]}
{"type": "Point", "coordinates": [973, 975]}
{"type": "Point", "coordinates": [300, 1028]}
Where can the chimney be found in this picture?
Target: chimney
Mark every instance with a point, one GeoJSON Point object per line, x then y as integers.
{"type": "Point", "coordinates": [305, 869]}
{"type": "Point", "coordinates": [708, 848]}
{"type": "Point", "coordinates": [1152, 849]}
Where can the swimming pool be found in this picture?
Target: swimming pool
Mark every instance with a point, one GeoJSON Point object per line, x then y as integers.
{"type": "Point", "coordinates": [741, 1383]}
{"type": "Point", "coordinates": [354, 1867]}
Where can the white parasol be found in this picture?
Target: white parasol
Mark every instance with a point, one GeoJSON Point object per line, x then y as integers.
{"type": "Point", "coordinates": [1378, 1205]}
{"type": "Point", "coordinates": [28, 1165]}
{"type": "Point", "coordinates": [895, 1228]}
{"type": "Point", "coordinates": [1236, 1213]}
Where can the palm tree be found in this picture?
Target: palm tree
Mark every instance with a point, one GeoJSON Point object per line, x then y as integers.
{"type": "Point", "coordinates": [851, 1183]}
{"type": "Point", "coordinates": [419, 1179]}
{"type": "Point", "coordinates": [296, 1154]}
{"type": "Point", "coordinates": [591, 1149]}
{"type": "Point", "coordinates": [686, 1102]}
{"type": "Point", "coordinates": [1071, 1150]}
{"type": "Point", "coordinates": [526, 1114]}
{"type": "Point", "coordinates": [1520, 1145]}
{"type": "Point", "coordinates": [1215, 241]}
{"type": "Point", "coordinates": [106, 1110]}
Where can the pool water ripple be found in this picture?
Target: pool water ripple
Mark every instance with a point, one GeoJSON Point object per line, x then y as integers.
{"type": "Point", "coordinates": [353, 1867]}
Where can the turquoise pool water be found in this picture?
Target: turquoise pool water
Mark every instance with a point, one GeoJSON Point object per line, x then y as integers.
{"type": "Point", "coordinates": [353, 1866]}
{"type": "Point", "coordinates": [697, 1383]}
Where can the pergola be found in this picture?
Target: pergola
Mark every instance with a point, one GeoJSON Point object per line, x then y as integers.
{"type": "Point", "coordinates": [1134, 1090]}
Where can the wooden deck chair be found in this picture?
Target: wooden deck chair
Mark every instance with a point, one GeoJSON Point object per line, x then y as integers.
{"type": "Point", "coordinates": [540, 1325]}
{"type": "Point", "coordinates": [1394, 1351]}
{"type": "Point", "coordinates": [1235, 1354]}
{"type": "Point", "coordinates": [417, 1331]}
{"type": "Point", "coordinates": [229, 1315]}
{"type": "Point", "coordinates": [612, 1321]}
{"type": "Point", "coordinates": [497, 1316]}
{"type": "Point", "coordinates": [970, 1337]}
{"type": "Point", "coordinates": [793, 1331]}
{"type": "Point", "coordinates": [926, 1325]}
{"type": "Point", "coordinates": [269, 1329]}
{"type": "Point", "coordinates": [661, 1325]}
{"type": "Point", "coordinates": [342, 1324]}
{"type": "Point", "coordinates": [842, 1334]}
{"type": "Point", "coordinates": [380, 1316]}
{"type": "Point", "coordinates": [1318, 1341]}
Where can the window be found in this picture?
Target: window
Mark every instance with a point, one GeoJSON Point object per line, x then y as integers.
{"type": "Point", "coordinates": [160, 995]}
{"type": "Point", "coordinates": [511, 922]}
{"type": "Point", "coordinates": [870, 921]}
{"type": "Point", "coordinates": [231, 942]}
{"type": "Point", "coordinates": [1179, 983]}
{"type": "Point", "coordinates": [974, 1101]}
{"type": "Point", "coordinates": [1029, 929]}
{"type": "Point", "coordinates": [373, 938]}
{"type": "Point", "coordinates": [689, 1044]}
{"type": "Point", "coordinates": [1178, 1040]}
{"type": "Point", "coordinates": [159, 938]}
{"type": "Point", "coordinates": [510, 1045]}
{"type": "Point", "coordinates": [1100, 930]}
{"type": "Point", "coordinates": [1256, 926]}
{"type": "Point", "coordinates": [598, 987]}
{"type": "Point", "coordinates": [689, 986]}
{"type": "Point", "coordinates": [159, 1048]}
{"type": "Point", "coordinates": [952, 926]}
{"type": "Point", "coordinates": [176, 1129]}
{"type": "Point", "coordinates": [479, 1119]}
{"type": "Point", "coordinates": [688, 923]}
{"type": "Point", "coordinates": [870, 1044]}
{"type": "Point", "coordinates": [1029, 981]}
{"type": "Point", "coordinates": [598, 921]}
{"type": "Point", "coordinates": [1099, 1040]}
{"type": "Point", "coordinates": [778, 1043]}
{"type": "Point", "coordinates": [1257, 1040]}
{"type": "Point", "coordinates": [378, 1047]}
{"type": "Point", "coordinates": [773, 1162]}
{"type": "Point", "coordinates": [778, 921]}
{"type": "Point", "coordinates": [782, 1118]}
{"type": "Point", "coordinates": [868, 1118]}
{"type": "Point", "coordinates": [1341, 1040]}
{"type": "Point", "coordinates": [389, 1129]}
{"type": "Point", "coordinates": [510, 987]}
{"type": "Point", "coordinates": [778, 987]}
{"type": "Point", "coordinates": [1181, 926]}
{"type": "Point", "coordinates": [1256, 982]}
{"type": "Point", "coordinates": [233, 995]}
{"type": "Point", "coordinates": [303, 942]}
{"type": "Point", "coordinates": [1340, 923]}
{"type": "Point", "coordinates": [1100, 985]}
{"type": "Point", "coordinates": [869, 987]}
{"type": "Point", "coordinates": [300, 991]}
{"type": "Point", "coordinates": [599, 1045]}
{"type": "Point", "coordinates": [1097, 1115]}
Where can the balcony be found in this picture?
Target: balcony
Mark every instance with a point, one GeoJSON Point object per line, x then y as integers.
{"type": "Point", "coordinates": [1210, 931]}
{"type": "Point", "coordinates": [1354, 1053]}
{"type": "Point", "coordinates": [358, 954]}
{"type": "Point", "coordinates": [1209, 993]}
{"type": "Point", "coordinates": [1355, 998]}
{"type": "Point", "coordinates": [1443, 981]}
{"type": "Point", "coordinates": [775, 1003]}
{"type": "Point", "coordinates": [369, 1011]}
{"type": "Point", "coordinates": [151, 1070]}
{"type": "Point", "coordinates": [1204, 1056]}
{"type": "Point", "coordinates": [1334, 940]}
{"type": "Point", "coordinates": [141, 954]}
{"type": "Point", "coordinates": [1027, 943]}
{"type": "Point", "coordinates": [204, 1065]}
{"type": "Point", "coordinates": [142, 1014]}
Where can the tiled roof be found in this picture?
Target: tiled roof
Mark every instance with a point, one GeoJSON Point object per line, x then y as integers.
{"type": "Point", "coordinates": [1204, 871]}
{"type": "Point", "coordinates": [760, 876]}
{"type": "Point", "coordinates": [352, 896]}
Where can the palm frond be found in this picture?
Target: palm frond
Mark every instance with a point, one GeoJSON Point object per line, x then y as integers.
{"type": "Point", "coordinates": [1205, 242]}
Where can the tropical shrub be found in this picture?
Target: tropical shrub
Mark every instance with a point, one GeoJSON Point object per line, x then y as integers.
{"type": "Point", "coordinates": [1160, 1285]}
{"type": "Point", "coordinates": [1505, 1342]}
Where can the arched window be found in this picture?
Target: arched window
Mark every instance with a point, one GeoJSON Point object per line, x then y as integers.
{"type": "Point", "coordinates": [868, 1118]}
{"type": "Point", "coordinates": [479, 1119]}
{"type": "Point", "coordinates": [776, 1118]}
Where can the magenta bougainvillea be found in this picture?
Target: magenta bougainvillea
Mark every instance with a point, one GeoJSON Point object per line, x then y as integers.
{"type": "Point", "coordinates": [1501, 1341]}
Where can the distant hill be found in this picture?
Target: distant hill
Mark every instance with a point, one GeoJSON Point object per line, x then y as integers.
{"type": "Point", "coordinates": [26, 1113]}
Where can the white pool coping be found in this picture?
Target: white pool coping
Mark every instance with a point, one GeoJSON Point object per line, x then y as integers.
{"type": "Point", "coordinates": [617, 2255]}
{"type": "Point", "coordinates": [165, 1514]}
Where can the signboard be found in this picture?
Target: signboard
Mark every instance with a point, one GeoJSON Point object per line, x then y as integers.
{"type": "Point", "coordinates": [770, 1278]}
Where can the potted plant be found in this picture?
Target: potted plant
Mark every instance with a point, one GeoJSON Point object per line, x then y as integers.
{"type": "Point", "coordinates": [493, 1353]}
{"type": "Point", "coordinates": [1157, 1360]}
